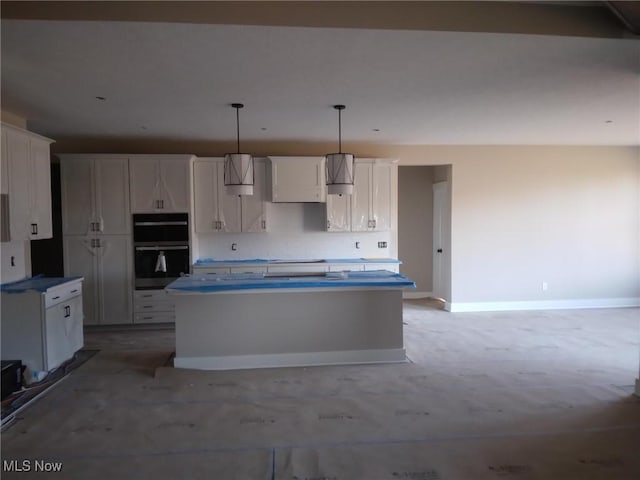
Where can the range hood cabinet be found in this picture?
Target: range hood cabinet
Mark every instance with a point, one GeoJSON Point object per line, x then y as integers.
{"type": "Point", "coordinates": [298, 179]}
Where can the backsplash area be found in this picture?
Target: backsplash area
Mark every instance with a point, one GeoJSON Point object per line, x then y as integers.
{"type": "Point", "coordinates": [295, 231]}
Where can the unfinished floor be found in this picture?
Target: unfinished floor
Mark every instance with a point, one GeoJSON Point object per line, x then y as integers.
{"type": "Point", "coordinates": [524, 395]}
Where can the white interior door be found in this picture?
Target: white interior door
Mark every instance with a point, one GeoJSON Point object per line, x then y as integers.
{"type": "Point", "coordinates": [440, 192]}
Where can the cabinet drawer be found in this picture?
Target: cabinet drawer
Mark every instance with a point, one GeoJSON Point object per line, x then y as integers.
{"type": "Point", "coordinates": [248, 269]}
{"type": "Point", "coordinates": [142, 307]}
{"type": "Point", "coordinates": [62, 293]}
{"type": "Point", "coordinates": [150, 296]}
{"type": "Point", "coordinates": [154, 317]}
{"type": "Point", "coordinates": [211, 271]}
{"type": "Point", "coordinates": [346, 267]}
{"type": "Point", "coordinates": [298, 268]}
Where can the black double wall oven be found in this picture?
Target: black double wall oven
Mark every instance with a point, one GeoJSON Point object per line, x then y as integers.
{"type": "Point", "coordinates": [161, 244]}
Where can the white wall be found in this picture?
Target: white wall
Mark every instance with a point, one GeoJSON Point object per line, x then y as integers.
{"type": "Point", "coordinates": [567, 217]}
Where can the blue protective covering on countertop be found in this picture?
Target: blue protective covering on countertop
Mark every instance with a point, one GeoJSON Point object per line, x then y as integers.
{"type": "Point", "coordinates": [38, 283]}
{"type": "Point", "coordinates": [257, 281]}
{"type": "Point", "coordinates": [213, 263]}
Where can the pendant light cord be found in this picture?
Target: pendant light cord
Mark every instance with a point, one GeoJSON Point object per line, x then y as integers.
{"type": "Point", "coordinates": [238, 126]}
{"type": "Point", "coordinates": [340, 131]}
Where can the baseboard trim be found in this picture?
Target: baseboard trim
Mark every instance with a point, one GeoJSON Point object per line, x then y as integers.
{"type": "Point", "coordinates": [457, 307]}
{"type": "Point", "coordinates": [411, 295]}
{"type": "Point", "coordinates": [342, 357]}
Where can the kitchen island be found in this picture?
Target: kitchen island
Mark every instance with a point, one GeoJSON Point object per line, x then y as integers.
{"type": "Point", "coordinates": [288, 319]}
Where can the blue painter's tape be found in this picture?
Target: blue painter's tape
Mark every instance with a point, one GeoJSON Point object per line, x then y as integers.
{"type": "Point", "coordinates": [257, 281]}
{"type": "Point", "coordinates": [38, 283]}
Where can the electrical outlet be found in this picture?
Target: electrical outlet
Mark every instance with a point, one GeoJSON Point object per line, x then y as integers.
{"type": "Point", "coordinates": [382, 244]}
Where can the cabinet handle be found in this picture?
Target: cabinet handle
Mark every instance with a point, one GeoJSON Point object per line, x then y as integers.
{"type": "Point", "coordinates": [374, 223]}
{"type": "Point", "coordinates": [98, 242]}
{"type": "Point", "coordinates": [34, 228]}
{"type": "Point", "coordinates": [55, 298]}
{"type": "Point", "coordinates": [264, 224]}
{"type": "Point", "coordinates": [162, 204]}
{"type": "Point", "coordinates": [74, 291]}
{"type": "Point", "coordinates": [147, 306]}
{"type": "Point", "coordinates": [147, 296]}
{"type": "Point", "coordinates": [148, 318]}
{"type": "Point", "coordinates": [67, 311]}
{"type": "Point", "coordinates": [328, 224]}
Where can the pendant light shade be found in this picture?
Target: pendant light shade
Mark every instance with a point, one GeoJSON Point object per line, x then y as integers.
{"type": "Point", "coordinates": [339, 165]}
{"type": "Point", "coordinates": [238, 167]}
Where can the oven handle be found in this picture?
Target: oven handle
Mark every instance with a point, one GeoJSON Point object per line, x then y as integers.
{"type": "Point", "coordinates": [144, 249]}
{"type": "Point", "coordinates": [154, 224]}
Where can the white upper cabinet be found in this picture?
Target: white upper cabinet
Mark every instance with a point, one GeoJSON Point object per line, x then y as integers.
{"type": "Point", "coordinates": [369, 208]}
{"type": "Point", "coordinates": [338, 213]}
{"type": "Point", "coordinates": [371, 199]}
{"type": "Point", "coordinates": [27, 171]}
{"type": "Point", "coordinates": [160, 183]}
{"type": "Point", "coordinates": [298, 179]}
{"type": "Point", "coordinates": [216, 211]}
{"type": "Point", "coordinates": [253, 210]}
{"type": "Point", "coordinates": [95, 194]}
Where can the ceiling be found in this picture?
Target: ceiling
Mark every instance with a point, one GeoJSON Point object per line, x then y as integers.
{"type": "Point", "coordinates": [172, 80]}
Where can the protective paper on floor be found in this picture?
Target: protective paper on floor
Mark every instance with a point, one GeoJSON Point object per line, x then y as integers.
{"type": "Point", "coordinates": [541, 396]}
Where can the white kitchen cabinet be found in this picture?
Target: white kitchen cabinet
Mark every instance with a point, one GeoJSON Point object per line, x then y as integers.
{"type": "Point", "coordinates": [105, 262]}
{"type": "Point", "coordinates": [95, 195]}
{"type": "Point", "coordinates": [160, 183]}
{"type": "Point", "coordinates": [370, 202]}
{"type": "Point", "coordinates": [253, 211]}
{"type": "Point", "coordinates": [42, 327]}
{"type": "Point", "coordinates": [369, 208]}
{"type": "Point", "coordinates": [298, 179]}
{"type": "Point", "coordinates": [338, 213]}
{"type": "Point", "coordinates": [26, 165]}
{"type": "Point", "coordinates": [216, 211]}
{"type": "Point", "coordinates": [153, 306]}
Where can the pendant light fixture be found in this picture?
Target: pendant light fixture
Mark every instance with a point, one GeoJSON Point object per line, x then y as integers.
{"type": "Point", "coordinates": [339, 165]}
{"type": "Point", "coordinates": [238, 167]}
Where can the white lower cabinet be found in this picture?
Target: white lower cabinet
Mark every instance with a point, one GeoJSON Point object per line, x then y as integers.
{"type": "Point", "coordinates": [105, 261]}
{"type": "Point", "coordinates": [153, 306]}
{"type": "Point", "coordinates": [43, 329]}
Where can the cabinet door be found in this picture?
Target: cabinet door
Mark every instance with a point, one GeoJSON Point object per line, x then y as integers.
{"type": "Point", "coordinates": [227, 206]}
{"type": "Point", "coordinates": [253, 209]}
{"type": "Point", "coordinates": [4, 165]}
{"type": "Point", "coordinates": [19, 185]}
{"type": "Point", "coordinates": [298, 179]}
{"type": "Point", "coordinates": [381, 197]}
{"type": "Point", "coordinates": [112, 212]}
{"type": "Point", "coordinates": [41, 191]}
{"type": "Point", "coordinates": [175, 185]}
{"type": "Point", "coordinates": [80, 260]}
{"type": "Point", "coordinates": [145, 185]}
{"type": "Point", "coordinates": [77, 195]}
{"type": "Point", "coordinates": [338, 213]}
{"type": "Point", "coordinates": [361, 198]}
{"type": "Point", "coordinates": [115, 279]}
{"type": "Point", "coordinates": [204, 195]}
{"type": "Point", "coordinates": [63, 331]}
